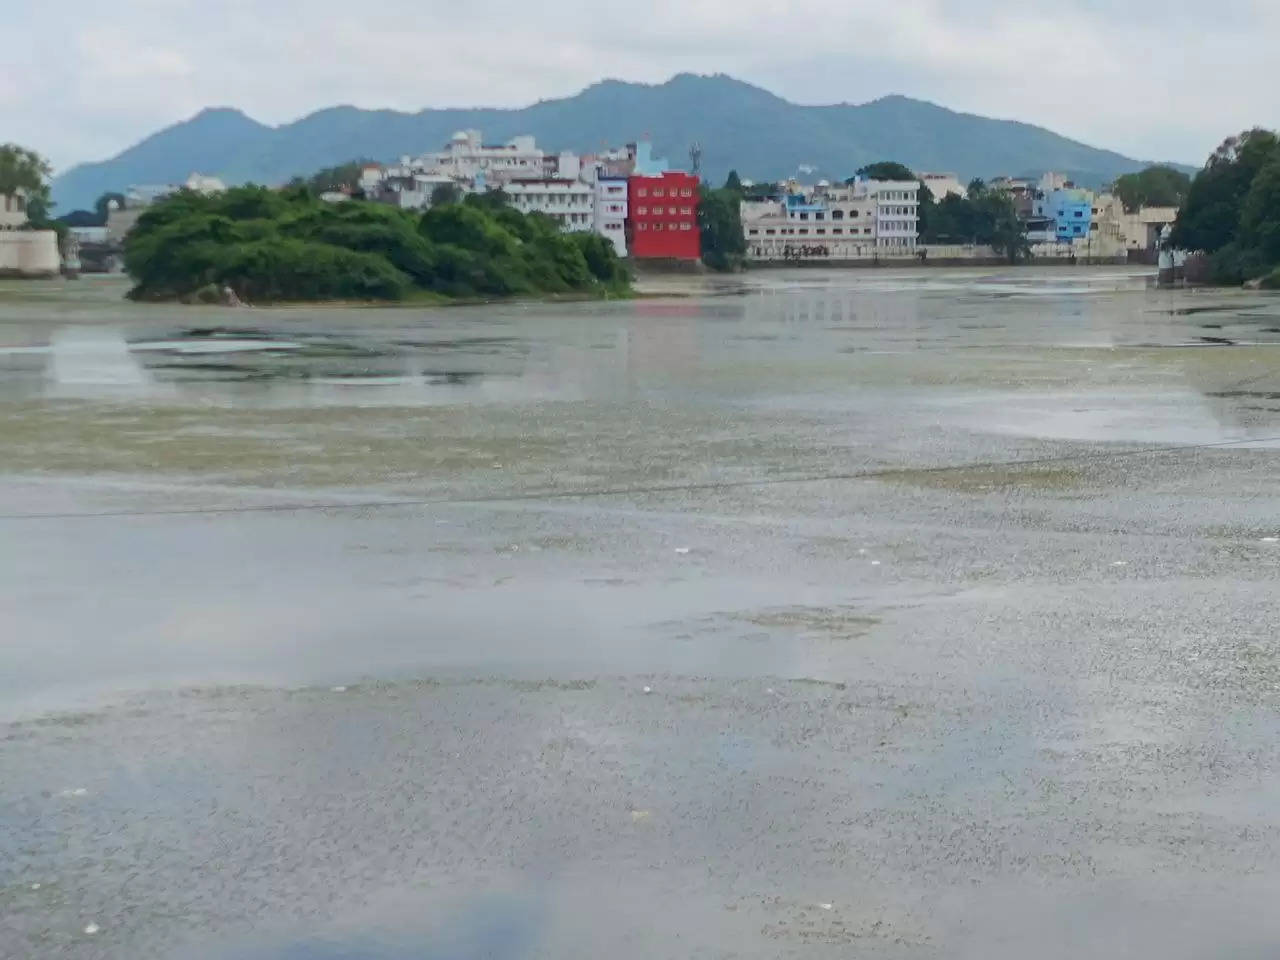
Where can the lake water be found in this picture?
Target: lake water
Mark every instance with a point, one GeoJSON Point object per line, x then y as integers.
{"type": "Point", "coordinates": [869, 613]}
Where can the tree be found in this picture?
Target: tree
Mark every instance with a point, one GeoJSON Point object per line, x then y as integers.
{"type": "Point", "coordinates": [977, 187]}
{"type": "Point", "coordinates": [445, 194]}
{"type": "Point", "coordinates": [1210, 218]}
{"type": "Point", "coordinates": [26, 171]}
{"type": "Point", "coordinates": [720, 223]}
{"type": "Point", "coordinates": [733, 182]}
{"type": "Point", "coordinates": [1157, 186]}
{"type": "Point", "coordinates": [1002, 228]}
{"type": "Point", "coordinates": [1260, 213]}
{"type": "Point", "coordinates": [886, 170]}
{"type": "Point", "coordinates": [23, 169]}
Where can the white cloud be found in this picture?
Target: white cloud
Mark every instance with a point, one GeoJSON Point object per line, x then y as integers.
{"type": "Point", "coordinates": [1152, 78]}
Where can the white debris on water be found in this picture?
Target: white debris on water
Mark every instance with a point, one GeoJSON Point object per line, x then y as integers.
{"type": "Point", "coordinates": [1270, 540]}
{"type": "Point", "coordinates": [73, 792]}
{"type": "Point", "coordinates": [1120, 563]}
{"type": "Point", "coordinates": [639, 815]}
{"type": "Point", "coordinates": [682, 551]}
{"type": "Point", "coordinates": [35, 886]}
{"type": "Point", "coordinates": [338, 689]}
{"type": "Point", "coordinates": [875, 563]}
{"type": "Point", "coordinates": [648, 689]}
{"type": "Point", "coordinates": [827, 906]}
{"type": "Point", "coordinates": [91, 929]}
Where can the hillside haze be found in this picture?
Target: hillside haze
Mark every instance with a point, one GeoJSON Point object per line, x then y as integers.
{"type": "Point", "coordinates": [740, 127]}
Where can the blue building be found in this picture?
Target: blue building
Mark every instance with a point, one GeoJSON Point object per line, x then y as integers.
{"type": "Point", "coordinates": [1071, 210]}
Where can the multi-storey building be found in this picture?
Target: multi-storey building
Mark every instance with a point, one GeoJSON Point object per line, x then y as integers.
{"type": "Point", "coordinates": [611, 210]}
{"type": "Point", "coordinates": [864, 219]}
{"type": "Point", "coordinates": [1071, 209]}
{"type": "Point", "coordinates": [571, 203]}
{"type": "Point", "coordinates": [663, 216]}
{"type": "Point", "coordinates": [466, 156]}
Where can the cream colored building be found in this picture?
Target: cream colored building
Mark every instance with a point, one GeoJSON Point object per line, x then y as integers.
{"type": "Point", "coordinates": [571, 203]}
{"type": "Point", "coordinates": [860, 221]}
{"type": "Point", "coordinates": [941, 185]}
{"type": "Point", "coordinates": [13, 210]}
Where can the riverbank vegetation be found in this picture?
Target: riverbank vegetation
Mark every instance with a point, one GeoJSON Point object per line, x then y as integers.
{"type": "Point", "coordinates": [275, 246]}
{"type": "Point", "coordinates": [1232, 213]}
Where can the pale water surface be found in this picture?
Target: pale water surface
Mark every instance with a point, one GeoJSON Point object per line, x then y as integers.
{"type": "Point", "coordinates": [882, 614]}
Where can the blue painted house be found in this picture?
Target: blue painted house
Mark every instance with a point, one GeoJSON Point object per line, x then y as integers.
{"type": "Point", "coordinates": [1071, 210]}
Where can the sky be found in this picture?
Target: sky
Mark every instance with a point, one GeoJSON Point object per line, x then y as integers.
{"type": "Point", "coordinates": [1154, 79]}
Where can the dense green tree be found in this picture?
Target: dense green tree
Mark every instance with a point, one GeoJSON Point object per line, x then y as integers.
{"type": "Point", "coordinates": [23, 169]}
{"type": "Point", "coordinates": [733, 182]}
{"type": "Point", "coordinates": [720, 223]}
{"type": "Point", "coordinates": [288, 245]}
{"type": "Point", "coordinates": [445, 194]}
{"type": "Point", "coordinates": [1260, 213]}
{"type": "Point", "coordinates": [1157, 186]}
{"type": "Point", "coordinates": [977, 187]}
{"type": "Point", "coordinates": [886, 170]}
{"type": "Point", "coordinates": [1210, 219]}
{"type": "Point", "coordinates": [343, 176]}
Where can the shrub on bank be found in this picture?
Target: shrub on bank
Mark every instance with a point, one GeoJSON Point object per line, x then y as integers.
{"type": "Point", "coordinates": [271, 246]}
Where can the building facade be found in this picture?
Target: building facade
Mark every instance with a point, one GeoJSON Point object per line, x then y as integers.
{"type": "Point", "coordinates": [611, 211]}
{"type": "Point", "coordinates": [862, 220]}
{"type": "Point", "coordinates": [571, 203]}
{"type": "Point", "coordinates": [1071, 209]}
{"type": "Point", "coordinates": [466, 156]}
{"type": "Point", "coordinates": [663, 216]}
{"type": "Point", "coordinates": [13, 210]}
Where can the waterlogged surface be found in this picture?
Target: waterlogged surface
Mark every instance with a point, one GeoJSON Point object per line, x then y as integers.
{"type": "Point", "coordinates": [916, 615]}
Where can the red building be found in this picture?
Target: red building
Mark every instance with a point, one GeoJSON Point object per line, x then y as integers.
{"type": "Point", "coordinates": [662, 217]}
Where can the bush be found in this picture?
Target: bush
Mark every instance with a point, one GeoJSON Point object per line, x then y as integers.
{"type": "Point", "coordinates": [272, 246]}
{"type": "Point", "coordinates": [1233, 265]}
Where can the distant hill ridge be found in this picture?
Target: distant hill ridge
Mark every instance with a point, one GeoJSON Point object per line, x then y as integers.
{"type": "Point", "coordinates": [740, 127]}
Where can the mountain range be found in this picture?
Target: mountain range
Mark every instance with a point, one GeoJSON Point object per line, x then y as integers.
{"type": "Point", "coordinates": [739, 126]}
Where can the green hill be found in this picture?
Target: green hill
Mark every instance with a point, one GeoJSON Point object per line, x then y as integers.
{"type": "Point", "coordinates": [739, 126]}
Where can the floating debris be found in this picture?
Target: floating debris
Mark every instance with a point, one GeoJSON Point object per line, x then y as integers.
{"type": "Point", "coordinates": [73, 792]}
{"type": "Point", "coordinates": [338, 689]}
{"type": "Point", "coordinates": [648, 689]}
{"type": "Point", "coordinates": [91, 929]}
{"type": "Point", "coordinates": [682, 551]}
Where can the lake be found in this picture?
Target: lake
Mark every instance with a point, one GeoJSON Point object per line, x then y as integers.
{"type": "Point", "coordinates": [902, 614]}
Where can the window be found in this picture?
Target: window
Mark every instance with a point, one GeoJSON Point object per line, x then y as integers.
{"type": "Point", "coordinates": [804, 216]}
{"type": "Point", "coordinates": [686, 192]}
{"type": "Point", "coordinates": [642, 211]}
{"type": "Point", "coordinates": [657, 226]}
{"type": "Point", "coordinates": [659, 192]}
{"type": "Point", "coordinates": [673, 226]}
{"type": "Point", "coordinates": [837, 230]}
{"type": "Point", "coordinates": [837, 214]}
{"type": "Point", "coordinates": [641, 192]}
{"type": "Point", "coordinates": [687, 211]}
{"type": "Point", "coordinates": [804, 232]}
{"type": "Point", "coordinates": [820, 231]}
{"type": "Point", "coordinates": [642, 226]}
{"type": "Point", "coordinates": [686, 226]}
{"type": "Point", "coordinates": [819, 215]}
{"type": "Point", "coordinates": [770, 232]}
{"type": "Point", "coordinates": [753, 232]}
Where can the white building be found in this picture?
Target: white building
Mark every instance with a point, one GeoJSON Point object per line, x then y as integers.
{"type": "Point", "coordinates": [941, 185]}
{"type": "Point", "coordinates": [610, 197]}
{"type": "Point", "coordinates": [571, 203]}
{"type": "Point", "coordinates": [13, 210]}
{"type": "Point", "coordinates": [863, 220]}
{"type": "Point", "coordinates": [467, 157]}
{"type": "Point", "coordinates": [200, 183]}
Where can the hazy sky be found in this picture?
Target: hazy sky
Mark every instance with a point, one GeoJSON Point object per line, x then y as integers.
{"type": "Point", "coordinates": [1163, 79]}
